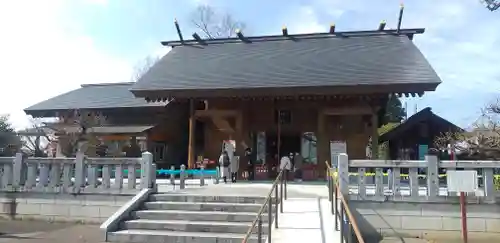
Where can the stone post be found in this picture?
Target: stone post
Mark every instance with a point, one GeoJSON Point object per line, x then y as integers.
{"type": "Point", "coordinates": [343, 174]}
{"type": "Point", "coordinates": [79, 171]}
{"type": "Point", "coordinates": [217, 175]}
{"type": "Point", "coordinates": [17, 170]}
{"type": "Point", "coordinates": [172, 175]}
{"type": "Point", "coordinates": [202, 175]}
{"type": "Point", "coordinates": [182, 176]}
{"type": "Point", "coordinates": [432, 176]}
{"type": "Point", "coordinates": [153, 178]}
{"type": "Point", "coordinates": [147, 170]}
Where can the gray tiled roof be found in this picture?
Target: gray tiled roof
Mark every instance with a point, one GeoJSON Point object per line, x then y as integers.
{"type": "Point", "coordinates": [93, 96]}
{"type": "Point", "coordinates": [71, 128]}
{"type": "Point", "coordinates": [313, 62]}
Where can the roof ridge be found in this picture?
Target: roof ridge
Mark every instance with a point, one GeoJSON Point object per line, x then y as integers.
{"type": "Point", "coordinates": [106, 84]}
{"type": "Point", "coordinates": [319, 35]}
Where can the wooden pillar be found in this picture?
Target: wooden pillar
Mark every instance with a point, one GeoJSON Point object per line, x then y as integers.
{"type": "Point", "coordinates": [374, 145]}
{"type": "Point", "coordinates": [239, 143]}
{"type": "Point", "coordinates": [192, 129]}
{"type": "Point", "coordinates": [321, 144]}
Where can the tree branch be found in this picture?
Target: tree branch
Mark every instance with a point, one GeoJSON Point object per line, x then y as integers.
{"type": "Point", "coordinates": [215, 25]}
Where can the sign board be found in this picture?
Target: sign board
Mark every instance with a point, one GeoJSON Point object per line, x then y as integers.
{"type": "Point", "coordinates": [462, 180]}
{"type": "Point", "coordinates": [336, 148]}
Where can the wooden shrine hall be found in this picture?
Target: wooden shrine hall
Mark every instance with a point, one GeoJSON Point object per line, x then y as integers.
{"type": "Point", "coordinates": [283, 94]}
{"type": "Point", "coordinates": [412, 139]}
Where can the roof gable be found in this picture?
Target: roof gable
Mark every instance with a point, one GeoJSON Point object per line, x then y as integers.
{"type": "Point", "coordinates": [383, 59]}
{"type": "Point", "coordinates": [421, 116]}
{"type": "Point", "coordinates": [91, 96]}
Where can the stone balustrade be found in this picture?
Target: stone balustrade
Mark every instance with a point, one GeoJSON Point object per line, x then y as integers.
{"type": "Point", "coordinates": [77, 175]}
{"type": "Point", "coordinates": [398, 180]}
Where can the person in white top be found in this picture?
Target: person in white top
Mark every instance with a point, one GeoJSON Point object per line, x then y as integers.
{"type": "Point", "coordinates": [285, 163]}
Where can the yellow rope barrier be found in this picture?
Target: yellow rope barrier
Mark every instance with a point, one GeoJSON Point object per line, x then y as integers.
{"type": "Point", "coordinates": [334, 174]}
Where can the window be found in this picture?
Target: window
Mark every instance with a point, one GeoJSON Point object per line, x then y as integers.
{"type": "Point", "coordinates": [285, 116]}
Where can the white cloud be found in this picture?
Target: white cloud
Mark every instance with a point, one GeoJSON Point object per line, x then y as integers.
{"type": "Point", "coordinates": [460, 42]}
{"type": "Point", "coordinates": [42, 57]}
{"type": "Point", "coordinates": [307, 21]}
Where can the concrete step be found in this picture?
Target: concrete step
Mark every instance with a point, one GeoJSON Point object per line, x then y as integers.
{"type": "Point", "coordinates": [204, 206]}
{"type": "Point", "coordinates": [191, 226]}
{"type": "Point", "coordinates": [164, 236]}
{"type": "Point", "coordinates": [170, 197]}
{"type": "Point", "coordinates": [197, 215]}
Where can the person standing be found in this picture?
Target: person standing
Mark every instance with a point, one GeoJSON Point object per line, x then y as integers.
{"type": "Point", "coordinates": [297, 161]}
{"type": "Point", "coordinates": [224, 163]}
{"type": "Point", "coordinates": [285, 164]}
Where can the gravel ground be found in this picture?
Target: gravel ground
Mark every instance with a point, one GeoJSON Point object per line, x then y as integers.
{"type": "Point", "coordinates": [44, 232]}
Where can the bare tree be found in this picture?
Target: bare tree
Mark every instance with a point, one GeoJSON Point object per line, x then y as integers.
{"type": "Point", "coordinates": [215, 25]}
{"type": "Point", "coordinates": [483, 142]}
{"type": "Point", "coordinates": [37, 139]}
{"type": "Point", "coordinates": [76, 132]}
{"type": "Point", "coordinates": [491, 5]}
{"type": "Point", "coordinates": [143, 66]}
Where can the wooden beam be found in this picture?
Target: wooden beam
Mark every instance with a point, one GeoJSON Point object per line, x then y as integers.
{"type": "Point", "coordinates": [374, 145]}
{"type": "Point", "coordinates": [222, 124]}
{"type": "Point", "coordinates": [321, 144]}
{"type": "Point", "coordinates": [192, 119]}
{"type": "Point", "coordinates": [221, 113]}
{"type": "Point", "coordinates": [351, 110]}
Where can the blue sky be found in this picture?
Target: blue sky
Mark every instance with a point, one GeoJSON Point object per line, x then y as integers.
{"type": "Point", "coordinates": [50, 47]}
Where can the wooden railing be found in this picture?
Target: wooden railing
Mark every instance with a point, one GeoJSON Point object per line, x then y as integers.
{"type": "Point", "coordinates": [345, 222]}
{"type": "Point", "coordinates": [77, 175]}
{"type": "Point", "coordinates": [280, 183]}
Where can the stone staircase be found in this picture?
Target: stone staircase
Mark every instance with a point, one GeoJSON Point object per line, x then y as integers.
{"type": "Point", "coordinates": [191, 218]}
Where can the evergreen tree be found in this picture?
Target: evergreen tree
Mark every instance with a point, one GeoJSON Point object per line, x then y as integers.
{"type": "Point", "coordinates": [9, 141]}
{"type": "Point", "coordinates": [394, 110]}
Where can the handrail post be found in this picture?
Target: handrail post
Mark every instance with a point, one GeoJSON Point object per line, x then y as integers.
{"type": "Point", "coordinates": [281, 192]}
{"type": "Point", "coordinates": [342, 224]}
{"type": "Point", "coordinates": [286, 182]}
{"type": "Point", "coordinates": [270, 219]}
{"type": "Point", "coordinates": [349, 232]}
{"type": "Point", "coordinates": [281, 205]}
{"type": "Point", "coordinates": [330, 194]}
{"type": "Point", "coordinates": [335, 205]}
{"type": "Point", "coordinates": [259, 230]}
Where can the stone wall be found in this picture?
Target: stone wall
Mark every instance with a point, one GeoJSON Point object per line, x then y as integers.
{"type": "Point", "coordinates": [426, 220]}
{"type": "Point", "coordinates": [85, 208]}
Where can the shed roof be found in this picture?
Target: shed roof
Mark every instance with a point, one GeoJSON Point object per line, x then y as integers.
{"type": "Point", "coordinates": [91, 96]}
{"type": "Point", "coordinates": [102, 130]}
{"type": "Point", "coordinates": [424, 115]}
{"type": "Point", "coordinates": [300, 62]}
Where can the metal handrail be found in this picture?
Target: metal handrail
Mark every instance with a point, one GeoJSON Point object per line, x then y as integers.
{"type": "Point", "coordinates": [282, 180]}
{"type": "Point", "coordinates": [345, 215]}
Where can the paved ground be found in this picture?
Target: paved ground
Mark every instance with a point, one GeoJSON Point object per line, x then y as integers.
{"type": "Point", "coordinates": [43, 232]}
{"type": "Point", "coordinates": [310, 193]}
{"type": "Point", "coordinates": [306, 220]}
